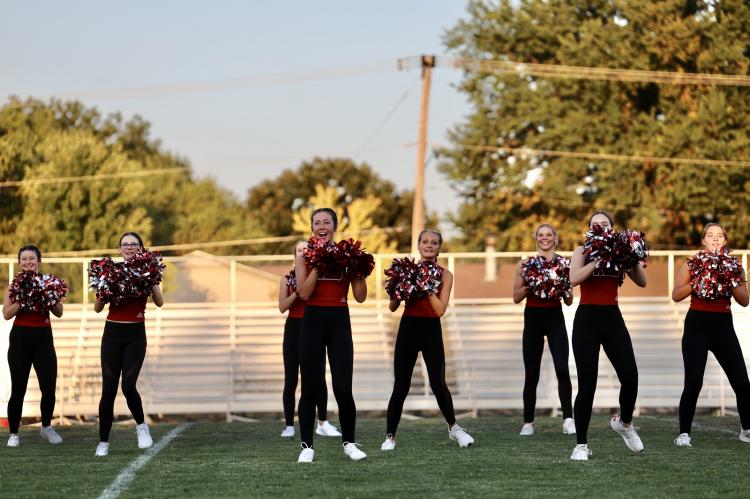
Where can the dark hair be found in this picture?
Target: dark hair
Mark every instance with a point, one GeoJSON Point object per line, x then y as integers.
{"type": "Point", "coordinates": [601, 212]}
{"type": "Point", "coordinates": [30, 247]}
{"type": "Point", "coordinates": [135, 235]}
{"type": "Point", "coordinates": [713, 224]}
{"type": "Point", "coordinates": [432, 231]}
{"type": "Point", "coordinates": [330, 212]}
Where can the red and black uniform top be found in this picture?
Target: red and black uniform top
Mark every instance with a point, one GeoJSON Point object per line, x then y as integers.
{"type": "Point", "coordinates": [30, 318]}
{"type": "Point", "coordinates": [130, 309]}
{"type": "Point", "coordinates": [720, 305]}
{"type": "Point", "coordinates": [297, 310]}
{"type": "Point", "coordinates": [330, 291]}
{"type": "Point", "coordinates": [601, 288]}
{"type": "Point", "coordinates": [420, 307]}
{"type": "Point", "coordinates": [534, 301]}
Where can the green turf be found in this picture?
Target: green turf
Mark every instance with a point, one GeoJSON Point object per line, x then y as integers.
{"type": "Point", "coordinates": [249, 459]}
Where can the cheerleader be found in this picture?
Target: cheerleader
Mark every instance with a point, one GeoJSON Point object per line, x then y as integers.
{"type": "Point", "coordinates": [123, 351]}
{"type": "Point", "coordinates": [544, 317]}
{"type": "Point", "coordinates": [420, 330]}
{"type": "Point", "coordinates": [709, 327]}
{"type": "Point", "coordinates": [31, 344]}
{"type": "Point", "coordinates": [289, 300]}
{"type": "Point", "coordinates": [326, 325]}
{"type": "Point", "coordinates": [598, 323]}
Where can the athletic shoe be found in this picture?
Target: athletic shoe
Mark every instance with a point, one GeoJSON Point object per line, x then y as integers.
{"type": "Point", "coordinates": [51, 435]}
{"type": "Point", "coordinates": [581, 452]}
{"type": "Point", "coordinates": [307, 455]}
{"type": "Point", "coordinates": [632, 440]}
{"type": "Point", "coordinates": [569, 426]}
{"type": "Point", "coordinates": [351, 450]}
{"type": "Point", "coordinates": [459, 435]}
{"type": "Point", "coordinates": [144, 437]}
{"type": "Point", "coordinates": [288, 432]}
{"type": "Point", "coordinates": [327, 430]}
{"type": "Point", "coordinates": [102, 449]}
{"type": "Point", "coordinates": [745, 435]}
{"type": "Point", "coordinates": [683, 440]}
{"type": "Point", "coordinates": [389, 443]}
{"type": "Point", "coordinates": [14, 441]}
{"type": "Point", "coordinates": [527, 429]}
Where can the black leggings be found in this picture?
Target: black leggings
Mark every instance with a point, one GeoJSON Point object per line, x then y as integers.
{"type": "Point", "coordinates": [596, 325]}
{"type": "Point", "coordinates": [704, 332]}
{"type": "Point", "coordinates": [291, 372]}
{"type": "Point", "coordinates": [538, 323]}
{"type": "Point", "coordinates": [326, 327]}
{"type": "Point", "coordinates": [417, 334]}
{"type": "Point", "coordinates": [31, 346]}
{"type": "Point", "coordinates": [123, 351]}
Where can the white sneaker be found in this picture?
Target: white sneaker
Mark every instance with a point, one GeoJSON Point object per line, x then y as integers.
{"type": "Point", "coordinates": [632, 440]}
{"type": "Point", "coordinates": [581, 452]}
{"type": "Point", "coordinates": [683, 440]}
{"type": "Point", "coordinates": [527, 429]}
{"type": "Point", "coordinates": [351, 450]}
{"type": "Point", "coordinates": [14, 441]}
{"type": "Point", "coordinates": [745, 435]}
{"type": "Point", "coordinates": [389, 443]}
{"type": "Point", "coordinates": [327, 430]}
{"type": "Point", "coordinates": [102, 449]}
{"type": "Point", "coordinates": [144, 437]}
{"type": "Point", "coordinates": [459, 435]}
{"type": "Point", "coordinates": [569, 426]}
{"type": "Point", "coordinates": [51, 435]}
{"type": "Point", "coordinates": [307, 455]}
{"type": "Point", "coordinates": [288, 432]}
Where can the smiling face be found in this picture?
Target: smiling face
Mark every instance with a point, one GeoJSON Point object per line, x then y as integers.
{"type": "Point", "coordinates": [601, 220]}
{"type": "Point", "coordinates": [323, 226]}
{"type": "Point", "coordinates": [129, 246]}
{"type": "Point", "coordinates": [429, 245]}
{"type": "Point", "coordinates": [714, 238]}
{"type": "Point", "coordinates": [28, 260]}
{"type": "Point", "coordinates": [546, 239]}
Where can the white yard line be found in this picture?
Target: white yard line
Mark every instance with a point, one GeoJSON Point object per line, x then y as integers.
{"type": "Point", "coordinates": [127, 475]}
{"type": "Point", "coordinates": [700, 426]}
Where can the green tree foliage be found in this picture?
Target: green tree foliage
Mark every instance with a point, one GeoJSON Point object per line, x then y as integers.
{"type": "Point", "coordinates": [507, 194]}
{"type": "Point", "coordinates": [66, 139]}
{"type": "Point", "coordinates": [273, 203]}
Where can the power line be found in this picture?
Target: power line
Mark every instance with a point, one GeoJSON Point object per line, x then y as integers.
{"type": "Point", "coordinates": [384, 121]}
{"type": "Point", "coordinates": [88, 178]}
{"type": "Point", "coordinates": [581, 72]}
{"type": "Point", "coordinates": [604, 156]}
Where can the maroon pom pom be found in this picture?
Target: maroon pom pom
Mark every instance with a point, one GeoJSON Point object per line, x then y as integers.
{"type": "Point", "coordinates": [714, 274]}
{"type": "Point", "coordinates": [407, 279]}
{"type": "Point", "coordinates": [547, 279]}
{"type": "Point", "coordinates": [617, 252]}
{"type": "Point", "coordinates": [291, 280]}
{"type": "Point", "coordinates": [322, 256]}
{"type": "Point", "coordinates": [37, 292]}
{"type": "Point", "coordinates": [113, 281]}
{"type": "Point", "coordinates": [359, 264]}
{"type": "Point", "coordinates": [429, 278]}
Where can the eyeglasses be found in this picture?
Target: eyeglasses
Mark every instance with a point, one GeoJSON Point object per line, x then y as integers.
{"type": "Point", "coordinates": [130, 245]}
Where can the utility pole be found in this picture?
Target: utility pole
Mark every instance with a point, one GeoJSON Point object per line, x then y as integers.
{"type": "Point", "coordinates": [417, 218]}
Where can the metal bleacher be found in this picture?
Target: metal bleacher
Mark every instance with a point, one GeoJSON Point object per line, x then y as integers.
{"type": "Point", "coordinates": [226, 358]}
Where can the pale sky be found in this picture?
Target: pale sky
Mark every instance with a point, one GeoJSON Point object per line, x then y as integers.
{"type": "Point", "coordinates": [241, 89]}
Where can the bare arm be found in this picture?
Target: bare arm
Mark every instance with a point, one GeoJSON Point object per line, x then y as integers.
{"type": "Point", "coordinates": [306, 281]}
{"type": "Point", "coordinates": [682, 287]}
{"type": "Point", "coordinates": [359, 290]}
{"type": "Point", "coordinates": [57, 309]}
{"type": "Point", "coordinates": [579, 269]}
{"type": "Point", "coordinates": [638, 276]}
{"type": "Point", "coordinates": [286, 299]}
{"type": "Point", "coordinates": [156, 295]}
{"type": "Point", "coordinates": [439, 302]}
{"type": "Point", "coordinates": [9, 309]}
{"type": "Point", "coordinates": [519, 290]}
{"type": "Point", "coordinates": [98, 305]}
{"type": "Point", "coordinates": [740, 294]}
{"type": "Point", "coordinates": [394, 304]}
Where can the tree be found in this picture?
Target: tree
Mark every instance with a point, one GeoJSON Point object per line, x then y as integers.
{"type": "Point", "coordinates": [670, 202]}
{"type": "Point", "coordinates": [272, 203]}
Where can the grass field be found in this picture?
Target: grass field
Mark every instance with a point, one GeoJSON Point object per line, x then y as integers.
{"type": "Point", "coordinates": [249, 459]}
